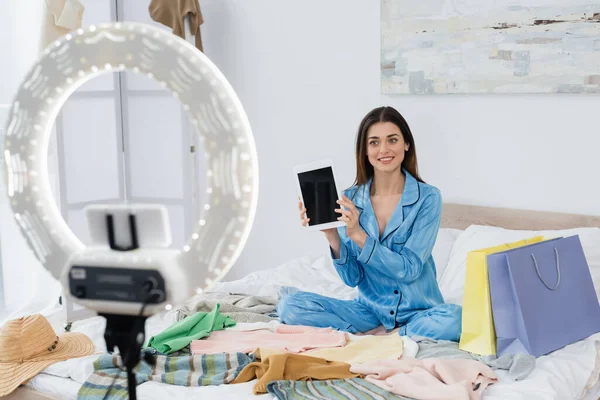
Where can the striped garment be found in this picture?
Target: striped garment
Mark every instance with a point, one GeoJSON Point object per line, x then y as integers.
{"type": "Point", "coordinates": [353, 389]}
{"type": "Point", "coordinates": [181, 369]}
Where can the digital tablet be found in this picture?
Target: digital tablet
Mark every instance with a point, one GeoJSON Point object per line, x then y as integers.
{"type": "Point", "coordinates": [319, 190]}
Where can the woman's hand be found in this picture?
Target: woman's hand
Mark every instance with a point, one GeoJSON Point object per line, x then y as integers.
{"type": "Point", "coordinates": [350, 216]}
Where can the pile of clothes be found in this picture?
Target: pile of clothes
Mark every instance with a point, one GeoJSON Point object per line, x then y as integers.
{"type": "Point", "coordinates": [221, 338]}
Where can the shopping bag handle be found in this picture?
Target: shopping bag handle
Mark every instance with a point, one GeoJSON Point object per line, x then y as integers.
{"type": "Point", "coordinates": [557, 270]}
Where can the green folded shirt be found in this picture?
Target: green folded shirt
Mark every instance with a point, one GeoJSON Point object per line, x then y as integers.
{"type": "Point", "coordinates": [194, 327]}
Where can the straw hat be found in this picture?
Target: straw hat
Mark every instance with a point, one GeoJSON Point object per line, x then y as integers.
{"type": "Point", "coordinates": [29, 345]}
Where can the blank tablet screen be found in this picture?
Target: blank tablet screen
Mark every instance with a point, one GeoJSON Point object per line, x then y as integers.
{"type": "Point", "coordinates": [320, 195]}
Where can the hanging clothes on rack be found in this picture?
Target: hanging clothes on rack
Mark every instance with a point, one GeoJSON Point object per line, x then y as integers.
{"type": "Point", "coordinates": [60, 18]}
{"type": "Point", "coordinates": [173, 13]}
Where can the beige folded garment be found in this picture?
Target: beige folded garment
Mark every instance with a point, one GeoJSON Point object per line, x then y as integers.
{"type": "Point", "coordinates": [357, 350]}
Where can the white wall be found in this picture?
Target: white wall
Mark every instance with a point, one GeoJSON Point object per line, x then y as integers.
{"type": "Point", "coordinates": [308, 71]}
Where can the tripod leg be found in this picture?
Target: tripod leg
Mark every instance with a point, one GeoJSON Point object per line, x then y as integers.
{"type": "Point", "coordinates": [131, 384]}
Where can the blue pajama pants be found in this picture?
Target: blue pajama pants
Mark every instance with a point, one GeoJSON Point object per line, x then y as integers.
{"type": "Point", "coordinates": [442, 322]}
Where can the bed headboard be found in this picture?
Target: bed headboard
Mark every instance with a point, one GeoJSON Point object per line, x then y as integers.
{"type": "Point", "coordinates": [460, 216]}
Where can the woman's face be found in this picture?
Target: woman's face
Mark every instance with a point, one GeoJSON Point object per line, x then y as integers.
{"type": "Point", "coordinates": [385, 147]}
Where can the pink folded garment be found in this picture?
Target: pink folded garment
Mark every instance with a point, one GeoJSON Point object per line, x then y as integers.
{"type": "Point", "coordinates": [429, 379]}
{"type": "Point", "coordinates": [247, 342]}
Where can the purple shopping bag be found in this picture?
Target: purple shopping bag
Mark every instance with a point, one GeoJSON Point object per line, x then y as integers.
{"type": "Point", "coordinates": [543, 297]}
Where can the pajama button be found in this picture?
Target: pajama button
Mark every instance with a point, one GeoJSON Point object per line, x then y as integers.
{"type": "Point", "coordinates": [395, 292]}
{"type": "Point", "coordinates": [391, 313]}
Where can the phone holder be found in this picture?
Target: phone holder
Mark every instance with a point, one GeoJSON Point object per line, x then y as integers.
{"type": "Point", "coordinates": [110, 226]}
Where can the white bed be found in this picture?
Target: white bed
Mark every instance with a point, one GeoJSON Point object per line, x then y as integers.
{"type": "Point", "coordinates": [568, 373]}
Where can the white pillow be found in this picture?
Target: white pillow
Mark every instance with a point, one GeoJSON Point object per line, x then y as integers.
{"type": "Point", "coordinates": [477, 237]}
{"type": "Point", "coordinates": [443, 247]}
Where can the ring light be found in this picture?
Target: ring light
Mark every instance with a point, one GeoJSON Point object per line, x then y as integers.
{"type": "Point", "coordinates": [218, 118]}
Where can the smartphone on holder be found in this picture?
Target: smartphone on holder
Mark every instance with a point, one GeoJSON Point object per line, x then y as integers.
{"type": "Point", "coordinates": [319, 190]}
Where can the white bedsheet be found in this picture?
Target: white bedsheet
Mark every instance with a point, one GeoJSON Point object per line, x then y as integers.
{"type": "Point", "coordinates": [560, 375]}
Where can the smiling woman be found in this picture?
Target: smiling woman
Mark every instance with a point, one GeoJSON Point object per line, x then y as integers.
{"type": "Point", "coordinates": [392, 219]}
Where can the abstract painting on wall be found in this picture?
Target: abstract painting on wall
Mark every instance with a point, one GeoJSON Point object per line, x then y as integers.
{"type": "Point", "coordinates": [490, 46]}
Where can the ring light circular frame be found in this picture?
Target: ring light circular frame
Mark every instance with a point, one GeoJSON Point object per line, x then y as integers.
{"type": "Point", "coordinates": [214, 111]}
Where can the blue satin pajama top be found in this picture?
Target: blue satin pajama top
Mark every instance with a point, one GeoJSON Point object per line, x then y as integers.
{"type": "Point", "coordinates": [395, 272]}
